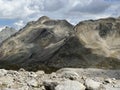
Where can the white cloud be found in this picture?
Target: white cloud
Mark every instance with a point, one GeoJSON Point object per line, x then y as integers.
{"type": "Point", "coordinates": [19, 8]}
{"type": "Point", "coordinates": [72, 10]}
{"type": "Point", "coordinates": [19, 24]}
{"type": "Point", "coordinates": [1, 28]}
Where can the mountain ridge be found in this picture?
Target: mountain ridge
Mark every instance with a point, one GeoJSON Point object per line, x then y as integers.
{"type": "Point", "coordinates": [52, 44]}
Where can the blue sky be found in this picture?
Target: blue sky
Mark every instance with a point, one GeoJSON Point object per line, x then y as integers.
{"type": "Point", "coordinates": [16, 13]}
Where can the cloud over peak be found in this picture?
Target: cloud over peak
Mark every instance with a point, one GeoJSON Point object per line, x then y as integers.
{"type": "Point", "coordinates": [73, 10]}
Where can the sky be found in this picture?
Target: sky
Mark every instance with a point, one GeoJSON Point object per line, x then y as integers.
{"type": "Point", "coordinates": [16, 13]}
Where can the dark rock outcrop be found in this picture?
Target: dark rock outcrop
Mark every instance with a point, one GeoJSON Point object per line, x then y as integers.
{"type": "Point", "coordinates": [51, 44]}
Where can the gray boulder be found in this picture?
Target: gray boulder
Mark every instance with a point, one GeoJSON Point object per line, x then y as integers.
{"type": "Point", "coordinates": [93, 85]}
{"type": "Point", "coordinates": [70, 85]}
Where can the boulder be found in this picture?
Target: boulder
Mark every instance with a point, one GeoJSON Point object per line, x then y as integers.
{"type": "Point", "coordinates": [50, 85]}
{"type": "Point", "coordinates": [70, 85]}
{"type": "Point", "coordinates": [72, 75]}
{"type": "Point", "coordinates": [92, 85]}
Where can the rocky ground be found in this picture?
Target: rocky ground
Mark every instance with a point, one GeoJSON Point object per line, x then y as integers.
{"type": "Point", "coordinates": [63, 79]}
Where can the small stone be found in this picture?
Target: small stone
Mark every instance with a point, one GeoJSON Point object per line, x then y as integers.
{"type": "Point", "coordinates": [70, 75]}
{"type": "Point", "coordinates": [32, 83]}
{"type": "Point", "coordinates": [53, 75]}
{"type": "Point", "coordinates": [110, 87]}
{"type": "Point", "coordinates": [24, 88]}
{"type": "Point", "coordinates": [108, 80]}
{"type": "Point", "coordinates": [3, 72]}
{"type": "Point", "coordinates": [113, 79]}
{"type": "Point", "coordinates": [6, 80]}
{"type": "Point", "coordinates": [40, 72]}
{"type": "Point", "coordinates": [22, 70]}
{"type": "Point", "coordinates": [32, 74]}
{"type": "Point", "coordinates": [117, 84]}
{"type": "Point", "coordinates": [43, 88]}
{"type": "Point", "coordinates": [92, 85]}
{"type": "Point", "coordinates": [84, 77]}
{"type": "Point", "coordinates": [50, 85]}
{"type": "Point", "coordinates": [13, 73]}
{"type": "Point", "coordinates": [70, 85]}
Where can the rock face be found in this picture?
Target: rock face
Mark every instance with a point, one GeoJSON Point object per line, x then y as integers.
{"type": "Point", "coordinates": [6, 32]}
{"type": "Point", "coordinates": [102, 37]}
{"type": "Point", "coordinates": [52, 44]}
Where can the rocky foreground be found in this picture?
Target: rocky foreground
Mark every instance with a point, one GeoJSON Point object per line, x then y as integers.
{"type": "Point", "coordinates": [63, 79]}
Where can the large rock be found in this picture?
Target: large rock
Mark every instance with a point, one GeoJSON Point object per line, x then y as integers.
{"type": "Point", "coordinates": [93, 85]}
{"type": "Point", "coordinates": [72, 75]}
{"type": "Point", "coordinates": [70, 85]}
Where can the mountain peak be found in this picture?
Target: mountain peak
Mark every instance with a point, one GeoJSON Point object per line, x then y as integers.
{"type": "Point", "coordinates": [43, 18]}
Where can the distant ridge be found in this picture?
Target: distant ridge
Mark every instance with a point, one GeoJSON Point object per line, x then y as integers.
{"type": "Point", "coordinates": [6, 32]}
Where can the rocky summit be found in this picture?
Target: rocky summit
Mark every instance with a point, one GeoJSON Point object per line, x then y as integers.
{"type": "Point", "coordinates": [49, 44]}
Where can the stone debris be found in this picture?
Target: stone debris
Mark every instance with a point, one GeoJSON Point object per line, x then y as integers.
{"type": "Point", "coordinates": [63, 79]}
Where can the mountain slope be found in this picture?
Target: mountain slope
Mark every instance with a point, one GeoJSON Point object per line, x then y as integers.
{"type": "Point", "coordinates": [52, 44]}
{"type": "Point", "coordinates": [102, 36]}
{"type": "Point", "coordinates": [36, 42]}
